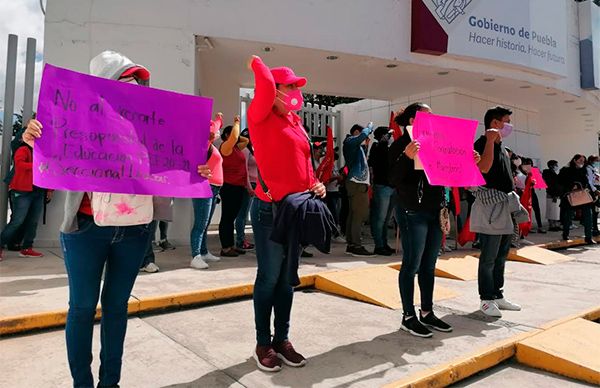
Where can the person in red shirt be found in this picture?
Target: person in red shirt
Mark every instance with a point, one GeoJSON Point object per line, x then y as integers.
{"type": "Point", "coordinates": [27, 204]}
{"type": "Point", "coordinates": [235, 177]}
{"type": "Point", "coordinates": [283, 157]}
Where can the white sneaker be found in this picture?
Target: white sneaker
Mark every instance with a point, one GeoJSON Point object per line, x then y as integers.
{"type": "Point", "coordinates": [339, 240]}
{"type": "Point", "coordinates": [504, 304]}
{"type": "Point", "coordinates": [210, 257]}
{"type": "Point", "coordinates": [198, 263]}
{"type": "Point", "coordinates": [490, 308]}
{"type": "Point", "coordinates": [151, 268]}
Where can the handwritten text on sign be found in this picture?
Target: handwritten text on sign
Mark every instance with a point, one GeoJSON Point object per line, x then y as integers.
{"type": "Point", "coordinates": [447, 150]}
{"type": "Point", "coordinates": [109, 136]}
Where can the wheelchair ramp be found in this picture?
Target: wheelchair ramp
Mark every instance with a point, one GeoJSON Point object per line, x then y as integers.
{"type": "Point", "coordinates": [571, 349]}
{"type": "Point", "coordinates": [537, 255]}
{"type": "Point", "coordinates": [376, 285]}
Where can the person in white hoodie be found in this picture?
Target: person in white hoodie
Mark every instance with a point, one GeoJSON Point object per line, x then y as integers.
{"type": "Point", "coordinates": [117, 251]}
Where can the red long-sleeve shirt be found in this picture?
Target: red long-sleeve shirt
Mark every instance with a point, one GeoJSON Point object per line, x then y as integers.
{"type": "Point", "coordinates": [23, 178]}
{"type": "Point", "coordinates": [281, 147]}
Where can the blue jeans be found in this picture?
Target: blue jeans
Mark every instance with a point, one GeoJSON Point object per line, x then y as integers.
{"type": "Point", "coordinates": [490, 275]}
{"type": "Point", "coordinates": [204, 208]}
{"type": "Point", "coordinates": [272, 291]}
{"type": "Point", "coordinates": [380, 215]}
{"type": "Point", "coordinates": [421, 241]}
{"type": "Point", "coordinates": [27, 206]}
{"type": "Point", "coordinates": [240, 220]}
{"type": "Point", "coordinates": [88, 251]}
{"type": "Point", "coordinates": [150, 257]}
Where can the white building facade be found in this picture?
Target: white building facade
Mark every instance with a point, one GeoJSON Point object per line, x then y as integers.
{"type": "Point", "coordinates": [459, 56]}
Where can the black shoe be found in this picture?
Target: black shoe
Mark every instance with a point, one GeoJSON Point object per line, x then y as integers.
{"type": "Point", "coordinates": [382, 252]}
{"type": "Point", "coordinates": [590, 241]}
{"type": "Point", "coordinates": [414, 327]}
{"type": "Point", "coordinates": [565, 238]}
{"type": "Point", "coordinates": [476, 245]}
{"type": "Point", "coordinates": [361, 252]}
{"type": "Point", "coordinates": [349, 249]}
{"type": "Point", "coordinates": [430, 320]}
{"type": "Point", "coordinates": [556, 229]}
{"type": "Point", "coordinates": [239, 251]}
{"type": "Point", "coordinates": [228, 253]}
{"type": "Point", "coordinates": [541, 231]}
{"type": "Point", "coordinates": [389, 249]}
{"type": "Point", "coordinates": [306, 254]}
{"type": "Point", "coordinates": [14, 248]}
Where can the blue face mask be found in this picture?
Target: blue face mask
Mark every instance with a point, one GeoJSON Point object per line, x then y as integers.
{"type": "Point", "coordinates": [597, 165]}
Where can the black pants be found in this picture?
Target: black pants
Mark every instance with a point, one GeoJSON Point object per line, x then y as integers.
{"type": "Point", "coordinates": [566, 218]}
{"type": "Point", "coordinates": [231, 202]}
{"type": "Point", "coordinates": [536, 209]}
{"type": "Point", "coordinates": [490, 275]}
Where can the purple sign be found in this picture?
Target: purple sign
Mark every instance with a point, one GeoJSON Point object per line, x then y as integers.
{"type": "Point", "coordinates": [109, 136]}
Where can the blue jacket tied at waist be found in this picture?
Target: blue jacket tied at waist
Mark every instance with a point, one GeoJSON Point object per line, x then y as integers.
{"type": "Point", "coordinates": [302, 219]}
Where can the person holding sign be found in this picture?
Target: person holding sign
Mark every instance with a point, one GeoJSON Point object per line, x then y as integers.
{"type": "Point", "coordinates": [117, 252]}
{"type": "Point", "coordinates": [492, 211]}
{"type": "Point", "coordinates": [283, 159]}
{"type": "Point", "coordinates": [418, 214]}
{"type": "Point", "coordinates": [204, 208]}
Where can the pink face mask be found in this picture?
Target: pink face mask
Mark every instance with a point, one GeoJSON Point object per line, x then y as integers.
{"type": "Point", "coordinates": [506, 130]}
{"type": "Point", "coordinates": [293, 100]}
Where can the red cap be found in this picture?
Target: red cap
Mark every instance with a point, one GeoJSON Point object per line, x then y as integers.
{"type": "Point", "coordinates": [138, 71]}
{"type": "Point", "coordinates": [286, 76]}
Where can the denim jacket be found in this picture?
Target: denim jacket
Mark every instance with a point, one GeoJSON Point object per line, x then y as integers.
{"type": "Point", "coordinates": [355, 156]}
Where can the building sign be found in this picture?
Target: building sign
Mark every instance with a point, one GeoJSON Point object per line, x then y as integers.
{"type": "Point", "coordinates": [589, 44]}
{"type": "Point", "coordinates": [530, 33]}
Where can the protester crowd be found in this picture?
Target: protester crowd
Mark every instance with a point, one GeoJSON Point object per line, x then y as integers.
{"type": "Point", "coordinates": [298, 195]}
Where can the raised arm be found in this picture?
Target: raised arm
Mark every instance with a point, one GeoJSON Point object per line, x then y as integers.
{"type": "Point", "coordinates": [487, 157]}
{"type": "Point", "coordinates": [242, 142]}
{"type": "Point", "coordinates": [227, 146]}
{"type": "Point", "coordinates": [264, 90]}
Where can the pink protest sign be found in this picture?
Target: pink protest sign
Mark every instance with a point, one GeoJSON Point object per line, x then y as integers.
{"type": "Point", "coordinates": [447, 150]}
{"type": "Point", "coordinates": [539, 180]}
{"type": "Point", "coordinates": [109, 136]}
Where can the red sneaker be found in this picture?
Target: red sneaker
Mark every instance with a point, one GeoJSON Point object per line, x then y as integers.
{"type": "Point", "coordinates": [266, 359]}
{"type": "Point", "coordinates": [29, 252]}
{"type": "Point", "coordinates": [247, 246]}
{"type": "Point", "coordinates": [287, 353]}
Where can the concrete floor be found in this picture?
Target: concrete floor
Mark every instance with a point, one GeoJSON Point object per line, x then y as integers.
{"type": "Point", "coordinates": [512, 374]}
{"type": "Point", "coordinates": [34, 285]}
{"type": "Point", "coordinates": [347, 343]}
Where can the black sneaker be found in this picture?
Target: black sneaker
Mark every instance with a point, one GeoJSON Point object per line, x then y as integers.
{"type": "Point", "coordinates": [382, 252]}
{"type": "Point", "coordinates": [361, 252]}
{"type": "Point", "coordinates": [306, 253]}
{"type": "Point", "coordinates": [414, 327]}
{"type": "Point", "coordinates": [349, 249]}
{"type": "Point", "coordinates": [430, 320]}
{"type": "Point", "coordinates": [389, 249]}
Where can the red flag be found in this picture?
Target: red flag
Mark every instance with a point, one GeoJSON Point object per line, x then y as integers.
{"type": "Point", "coordinates": [325, 169]}
{"type": "Point", "coordinates": [394, 126]}
{"type": "Point", "coordinates": [465, 234]}
{"type": "Point", "coordinates": [456, 198]}
{"type": "Point", "coordinates": [525, 227]}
